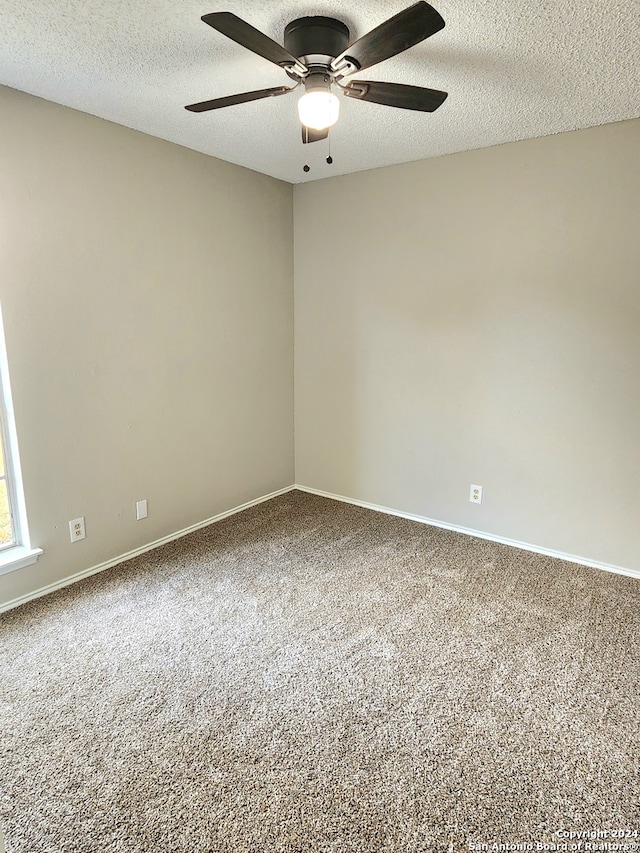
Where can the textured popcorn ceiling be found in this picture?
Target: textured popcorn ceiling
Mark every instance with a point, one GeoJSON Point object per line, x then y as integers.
{"type": "Point", "coordinates": [513, 70]}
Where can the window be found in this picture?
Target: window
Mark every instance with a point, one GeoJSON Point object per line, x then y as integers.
{"type": "Point", "coordinates": [7, 535]}
{"type": "Point", "coordinates": [15, 546]}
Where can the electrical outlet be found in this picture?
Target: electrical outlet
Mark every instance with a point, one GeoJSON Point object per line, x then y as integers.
{"type": "Point", "coordinates": [76, 529]}
{"type": "Point", "coordinates": [475, 494]}
{"type": "Point", "coordinates": [141, 510]}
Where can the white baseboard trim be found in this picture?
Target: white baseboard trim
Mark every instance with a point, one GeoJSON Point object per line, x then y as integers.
{"type": "Point", "coordinates": [107, 564]}
{"type": "Point", "coordinates": [85, 573]}
{"type": "Point", "coordinates": [525, 546]}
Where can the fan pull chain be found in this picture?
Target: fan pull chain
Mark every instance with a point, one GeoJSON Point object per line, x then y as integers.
{"type": "Point", "coordinates": [307, 168]}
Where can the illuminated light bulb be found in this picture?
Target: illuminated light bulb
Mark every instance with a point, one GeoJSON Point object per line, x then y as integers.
{"type": "Point", "coordinates": [318, 109]}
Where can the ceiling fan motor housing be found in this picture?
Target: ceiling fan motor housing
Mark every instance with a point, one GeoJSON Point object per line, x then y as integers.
{"type": "Point", "coordinates": [316, 40]}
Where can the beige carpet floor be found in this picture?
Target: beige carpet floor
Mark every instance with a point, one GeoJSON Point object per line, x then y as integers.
{"type": "Point", "coordinates": [310, 676]}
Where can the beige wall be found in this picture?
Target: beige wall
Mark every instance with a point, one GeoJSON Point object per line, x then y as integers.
{"type": "Point", "coordinates": [473, 318]}
{"type": "Point", "coordinates": [476, 319]}
{"type": "Point", "coordinates": [147, 294]}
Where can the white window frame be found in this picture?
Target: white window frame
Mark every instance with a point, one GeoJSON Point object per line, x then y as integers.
{"type": "Point", "coordinates": [20, 553]}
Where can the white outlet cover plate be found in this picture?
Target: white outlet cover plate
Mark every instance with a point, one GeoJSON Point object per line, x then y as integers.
{"type": "Point", "coordinates": [475, 494]}
{"type": "Point", "coordinates": [141, 509]}
{"type": "Point", "coordinates": [76, 529]}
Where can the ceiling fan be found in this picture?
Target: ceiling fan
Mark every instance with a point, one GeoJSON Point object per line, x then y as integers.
{"type": "Point", "coordinates": [317, 53]}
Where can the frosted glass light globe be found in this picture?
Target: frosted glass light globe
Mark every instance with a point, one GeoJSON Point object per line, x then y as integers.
{"type": "Point", "coordinates": [318, 109]}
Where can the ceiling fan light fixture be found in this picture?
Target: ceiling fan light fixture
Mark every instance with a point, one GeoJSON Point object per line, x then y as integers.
{"type": "Point", "coordinates": [318, 109]}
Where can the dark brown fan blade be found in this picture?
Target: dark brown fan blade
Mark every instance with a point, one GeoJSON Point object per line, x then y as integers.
{"type": "Point", "coordinates": [311, 135]}
{"type": "Point", "coordinates": [405, 29]}
{"type": "Point", "coordinates": [242, 98]}
{"type": "Point", "coordinates": [244, 34]}
{"type": "Point", "coordinates": [396, 95]}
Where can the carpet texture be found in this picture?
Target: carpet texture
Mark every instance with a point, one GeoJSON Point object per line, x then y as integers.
{"type": "Point", "coordinates": [311, 676]}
